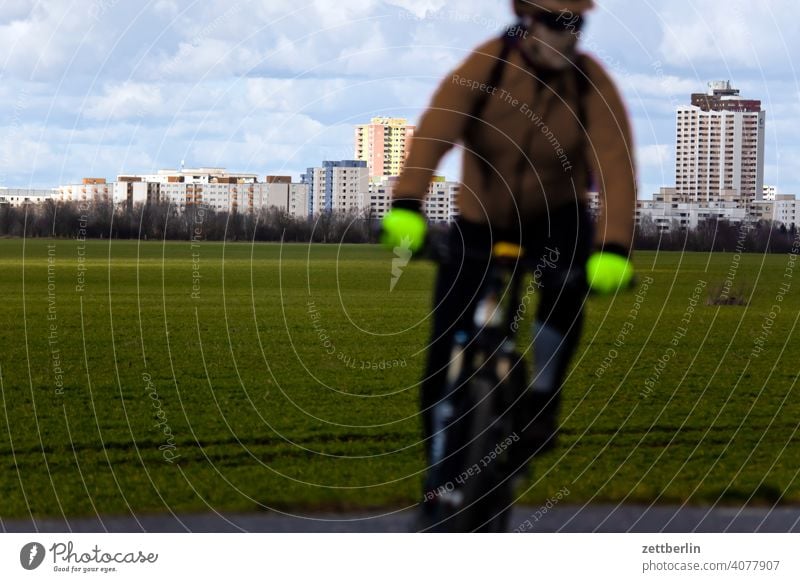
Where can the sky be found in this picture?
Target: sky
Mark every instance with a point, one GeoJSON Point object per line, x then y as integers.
{"type": "Point", "coordinates": [103, 87]}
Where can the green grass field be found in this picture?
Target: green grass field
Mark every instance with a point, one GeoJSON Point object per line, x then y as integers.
{"type": "Point", "coordinates": [289, 381]}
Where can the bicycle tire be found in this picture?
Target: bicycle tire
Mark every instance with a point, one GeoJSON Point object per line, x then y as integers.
{"type": "Point", "coordinates": [479, 414]}
{"type": "Point", "coordinates": [483, 497]}
{"type": "Point", "coordinates": [494, 506]}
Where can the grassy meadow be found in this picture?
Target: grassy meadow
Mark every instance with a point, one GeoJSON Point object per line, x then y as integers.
{"type": "Point", "coordinates": [156, 377]}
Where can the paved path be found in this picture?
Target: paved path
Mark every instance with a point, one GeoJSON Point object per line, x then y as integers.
{"type": "Point", "coordinates": [563, 518]}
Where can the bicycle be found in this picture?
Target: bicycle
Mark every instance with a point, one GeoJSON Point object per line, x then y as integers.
{"type": "Point", "coordinates": [474, 464]}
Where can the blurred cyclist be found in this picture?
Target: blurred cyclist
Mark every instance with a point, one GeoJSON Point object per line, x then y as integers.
{"type": "Point", "coordinates": [539, 122]}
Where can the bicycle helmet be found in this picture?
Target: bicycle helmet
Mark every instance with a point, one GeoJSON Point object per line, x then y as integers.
{"type": "Point", "coordinates": [530, 6]}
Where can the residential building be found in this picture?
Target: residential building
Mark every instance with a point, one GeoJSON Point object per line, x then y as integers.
{"type": "Point", "coordinates": [785, 210]}
{"type": "Point", "coordinates": [383, 144]}
{"type": "Point", "coordinates": [213, 188]}
{"type": "Point", "coordinates": [195, 176]}
{"type": "Point", "coordinates": [281, 193]}
{"type": "Point", "coordinates": [23, 196]}
{"type": "Point", "coordinates": [89, 190]}
{"type": "Point", "coordinates": [134, 190]}
{"type": "Point", "coordinates": [668, 209]}
{"type": "Point", "coordinates": [441, 202]}
{"type": "Point", "coordinates": [338, 186]}
{"type": "Point", "coordinates": [719, 145]}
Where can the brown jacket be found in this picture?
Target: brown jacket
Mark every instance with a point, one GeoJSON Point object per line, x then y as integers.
{"type": "Point", "coordinates": [531, 137]}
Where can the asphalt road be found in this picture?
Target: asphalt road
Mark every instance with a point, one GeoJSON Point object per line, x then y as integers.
{"type": "Point", "coordinates": [561, 518]}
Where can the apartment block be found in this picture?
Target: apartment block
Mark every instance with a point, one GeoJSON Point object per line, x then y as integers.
{"type": "Point", "coordinates": [134, 190]}
{"type": "Point", "coordinates": [283, 194]}
{"type": "Point", "coordinates": [383, 144]}
{"type": "Point", "coordinates": [785, 209]}
{"type": "Point", "coordinates": [213, 188]}
{"type": "Point", "coordinates": [23, 196]}
{"type": "Point", "coordinates": [441, 202]}
{"type": "Point", "coordinates": [200, 176]}
{"type": "Point", "coordinates": [669, 210]}
{"type": "Point", "coordinates": [89, 190]}
{"type": "Point", "coordinates": [719, 145]}
{"type": "Point", "coordinates": [338, 186]}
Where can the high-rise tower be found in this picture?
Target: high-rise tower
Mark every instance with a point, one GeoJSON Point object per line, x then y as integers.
{"type": "Point", "coordinates": [719, 145]}
{"type": "Point", "coordinates": [383, 144]}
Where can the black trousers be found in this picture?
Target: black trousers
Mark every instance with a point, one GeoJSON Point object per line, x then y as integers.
{"type": "Point", "coordinates": [558, 245]}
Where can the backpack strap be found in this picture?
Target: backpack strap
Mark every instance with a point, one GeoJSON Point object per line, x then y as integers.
{"type": "Point", "coordinates": [584, 87]}
{"type": "Point", "coordinates": [509, 40]}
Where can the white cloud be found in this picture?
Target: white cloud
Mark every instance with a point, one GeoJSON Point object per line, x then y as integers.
{"type": "Point", "coordinates": [206, 58]}
{"type": "Point", "coordinates": [41, 41]}
{"type": "Point", "coordinates": [654, 155]}
{"type": "Point", "coordinates": [127, 100]}
{"type": "Point", "coordinates": [15, 10]}
{"type": "Point", "coordinates": [421, 8]}
{"type": "Point", "coordinates": [166, 8]}
{"type": "Point", "coordinates": [279, 83]}
{"type": "Point", "coordinates": [282, 95]}
{"type": "Point", "coordinates": [661, 85]}
{"type": "Point", "coordinates": [743, 33]}
{"type": "Point", "coordinates": [285, 143]}
{"type": "Point", "coordinates": [340, 12]}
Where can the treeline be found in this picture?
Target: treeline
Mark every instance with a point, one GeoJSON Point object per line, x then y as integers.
{"type": "Point", "coordinates": [164, 222]}
{"type": "Point", "coordinates": [719, 236]}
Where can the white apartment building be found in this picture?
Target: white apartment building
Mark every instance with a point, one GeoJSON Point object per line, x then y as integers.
{"type": "Point", "coordinates": [90, 190]}
{"type": "Point", "coordinates": [281, 193]}
{"type": "Point", "coordinates": [227, 197]}
{"type": "Point", "coordinates": [192, 176]}
{"type": "Point", "coordinates": [669, 210]}
{"type": "Point", "coordinates": [383, 144]}
{"type": "Point", "coordinates": [338, 186]}
{"type": "Point", "coordinates": [23, 196]}
{"type": "Point", "coordinates": [441, 203]}
{"type": "Point", "coordinates": [132, 190]}
{"type": "Point", "coordinates": [719, 166]}
{"type": "Point", "coordinates": [785, 209]}
{"type": "Point", "coordinates": [219, 191]}
{"type": "Point", "coordinates": [719, 145]}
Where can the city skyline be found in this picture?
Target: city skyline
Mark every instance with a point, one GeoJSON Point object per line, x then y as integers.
{"type": "Point", "coordinates": [90, 90]}
{"type": "Point", "coordinates": [718, 121]}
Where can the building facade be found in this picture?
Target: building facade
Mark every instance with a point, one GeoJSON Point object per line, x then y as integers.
{"type": "Point", "coordinates": [719, 145]}
{"type": "Point", "coordinates": [217, 190]}
{"type": "Point", "coordinates": [441, 202]}
{"type": "Point", "coordinates": [383, 144]}
{"type": "Point", "coordinates": [89, 190]}
{"type": "Point", "coordinates": [670, 210]}
{"type": "Point", "coordinates": [338, 186]}
{"type": "Point", "coordinates": [23, 196]}
{"type": "Point", "coordinates": [194, 176]}
{"type": "Point", "coordinates": [719, 166]}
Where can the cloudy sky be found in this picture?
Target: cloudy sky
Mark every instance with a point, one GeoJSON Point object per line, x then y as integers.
{"type": "Point", "coordinates": [101, 87]}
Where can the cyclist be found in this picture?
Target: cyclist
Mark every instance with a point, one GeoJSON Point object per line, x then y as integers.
{"type": "Point", "coordinates": [539, 122]}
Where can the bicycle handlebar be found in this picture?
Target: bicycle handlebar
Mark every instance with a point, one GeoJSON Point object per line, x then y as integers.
{"type": "Point", "coordinates": [503, 254]}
